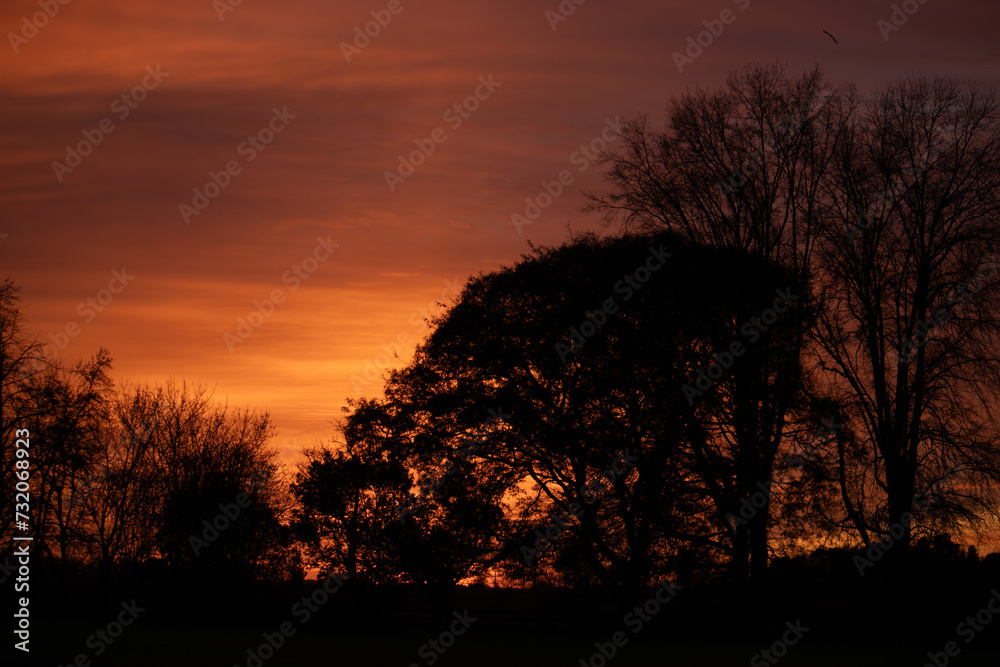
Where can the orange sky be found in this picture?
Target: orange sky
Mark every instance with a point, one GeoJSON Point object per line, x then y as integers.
{"type": "Point", "coordinates": [323, 175]}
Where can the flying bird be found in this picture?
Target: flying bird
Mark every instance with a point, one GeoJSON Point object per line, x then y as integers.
{"type": "Point", "coordinates": [833, 38]}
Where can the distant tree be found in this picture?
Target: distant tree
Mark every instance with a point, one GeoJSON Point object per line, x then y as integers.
{"type": "Point", "coordinates": [72, 407]}
{"type": "Point", "coordinates": [386, 511]}
{"type": "Point", "coordinates": [187, 480]}
{"type": "Point", "coordinates": [17, 405]}
{"type": "Point", "coordinates": [347, 517]}
{"type": "Point", "coordinates": [123, 475]}
{"type": "Point", "coordinates": [63, 410]}
{"type": "Point", "coordinates": [223, 505]}
{"type": "Point", "coordinates": [118, 490]}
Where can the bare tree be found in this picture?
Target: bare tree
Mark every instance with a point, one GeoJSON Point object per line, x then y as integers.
{"type": "Point", "coordinates": [18, 352]}
{"type": "Point", "coordinates": [170, 458]}
{"type": "Point", "coordinates": [63, 411]}
{"type": "Point", "coordinates": [907, 342]}
{"type": "Point", "coordinates": [73, 414]}
{"type": "Point", "coordinates": [118, 490]}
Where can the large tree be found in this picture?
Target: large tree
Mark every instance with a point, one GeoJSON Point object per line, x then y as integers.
{"type": "Point", "coordinates": [590, 351]}
{"type": "Point", "coordinates": [885, 206]}
{"type": "Point", "coordinates": [740, 167]}
{"type": "Point", "coordinates": [908, 339]}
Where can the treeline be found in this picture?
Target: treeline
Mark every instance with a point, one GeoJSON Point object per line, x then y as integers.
{"type": "Point", "coordinates": [791, 342]}
{"type": "Point", "coordinates": [785, 356]}
{"type": "Point", "coordinates": [131, 474]}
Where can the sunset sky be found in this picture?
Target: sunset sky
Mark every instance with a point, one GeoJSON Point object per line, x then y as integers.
{"type": "Point", "coordinates": [335, 128]}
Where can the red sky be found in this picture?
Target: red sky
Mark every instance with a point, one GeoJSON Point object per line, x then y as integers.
{"type": "Point", "coordinates": [323, 175]}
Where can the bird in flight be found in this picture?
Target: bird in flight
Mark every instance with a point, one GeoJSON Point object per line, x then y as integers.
{"type": "Point", "coordinates": [833, 38]}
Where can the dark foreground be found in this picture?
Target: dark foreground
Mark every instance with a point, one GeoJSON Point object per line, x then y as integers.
{"type": "Point", "coordinates": [155, 645]}
{"type": "Point", "coordinates": [812, 616]}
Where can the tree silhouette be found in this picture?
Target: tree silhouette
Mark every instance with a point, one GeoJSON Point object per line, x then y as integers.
{"type": "Point", "coordinates": [63, 409]}
{"type": "Point", "coordinates": [586, 356]}
{"type": "Point", "coordinates": [347, 518]}
{"type": "Point", "coordinates": [384, 511]}
{"type": "Point", "coordinates": [72, 407]}
{"type": "Point", "coordinates": [909, 331]}
{"type": "Point", "coordinates": [221, 500]}
{"type": "Point", "coordinates": [739, 168]}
